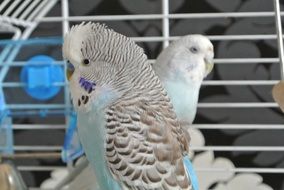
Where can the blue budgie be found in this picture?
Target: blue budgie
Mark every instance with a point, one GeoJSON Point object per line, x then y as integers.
{"type": "Point", "coordinates": [126, 123]}
{"type": "Point", "coordinates": [181, 67]}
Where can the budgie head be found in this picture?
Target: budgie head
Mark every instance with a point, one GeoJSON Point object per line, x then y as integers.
{"type": "Point", "coordinates": [96, 57]}
{"type": "Point", "coordinates": [189, 58]}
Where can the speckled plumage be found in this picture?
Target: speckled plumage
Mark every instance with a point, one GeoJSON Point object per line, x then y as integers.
{"type": "Point", "coordinates": [127, 127]}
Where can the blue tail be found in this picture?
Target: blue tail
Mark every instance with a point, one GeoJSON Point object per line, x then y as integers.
{"type": "Point", "coordinates": [191, 173]}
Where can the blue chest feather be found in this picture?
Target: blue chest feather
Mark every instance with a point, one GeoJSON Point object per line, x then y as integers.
{"type": "Point", "coordinates": [91, 129]}
{"type": "Point", "coordinates": [184, 97]}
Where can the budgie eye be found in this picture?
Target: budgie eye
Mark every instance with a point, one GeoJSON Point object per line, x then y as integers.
{"type": "Point", "coordinates": [86, 61]}
{"type": "Point", "coordinates": [193, 49]}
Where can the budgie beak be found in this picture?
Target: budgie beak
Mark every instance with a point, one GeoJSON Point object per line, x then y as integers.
{"type": "Point", "coordinates": [209, 65]}
{"type": "Point", "coordinates": [70, 70]}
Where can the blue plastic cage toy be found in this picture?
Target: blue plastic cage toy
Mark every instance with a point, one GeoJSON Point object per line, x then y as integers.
{"type": "Point", "coordinates": [41, 77]}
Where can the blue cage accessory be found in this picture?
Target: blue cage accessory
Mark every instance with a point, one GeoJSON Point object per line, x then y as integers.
{"type": "Point", "coordinates": [6, 131]}
{"type": "Point", "coordinates": [41, 74]}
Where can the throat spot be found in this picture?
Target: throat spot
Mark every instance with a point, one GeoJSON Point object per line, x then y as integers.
{"type": "Point", "coordinates": [83, 100]}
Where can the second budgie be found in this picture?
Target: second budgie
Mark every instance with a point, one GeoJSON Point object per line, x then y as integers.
{"type": "Point", "coordinates": [126, 122]}
{"type": "Point", "coordinates": [181, 67]}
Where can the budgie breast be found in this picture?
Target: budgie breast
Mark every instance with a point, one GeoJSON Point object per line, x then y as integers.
{"type": "Point", "coordinates": [184, 98]}
{"type": "Point", "coordinates": [91, 130]}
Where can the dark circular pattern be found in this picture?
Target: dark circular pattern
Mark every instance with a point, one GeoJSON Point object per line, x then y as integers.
{"type": "Point", "coordinates": [193, 49]}
{"type": "Point", "coordinates": [86, 61]}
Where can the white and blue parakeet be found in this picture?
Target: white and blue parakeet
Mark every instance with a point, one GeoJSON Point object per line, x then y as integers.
{"type": "Point", "coordinates": [126, 123]}
{"type": "Point", "coordinates": [181, 67]}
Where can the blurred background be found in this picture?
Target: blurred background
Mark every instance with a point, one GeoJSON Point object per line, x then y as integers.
{"type": "Point", "coordinates": [246, 53]}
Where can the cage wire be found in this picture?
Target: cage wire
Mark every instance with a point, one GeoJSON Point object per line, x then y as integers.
{"type": "Point", "coordinates": [238, 127]}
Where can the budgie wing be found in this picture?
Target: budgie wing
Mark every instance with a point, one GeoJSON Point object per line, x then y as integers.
{"type": "Point", "coordinates": [145, 146]}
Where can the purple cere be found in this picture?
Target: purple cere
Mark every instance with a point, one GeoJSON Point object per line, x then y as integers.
{"type": "Point", "coordinates": [88, 86]}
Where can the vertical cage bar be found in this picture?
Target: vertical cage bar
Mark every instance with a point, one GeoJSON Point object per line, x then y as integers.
{"type": "Point", "coordinates": [65, 15]}
{"type": "Point", "coordinates": [65, 29]}
{"type": "Point", "coordinates": [166, 25]}
{"type": "Point", "coordinates": [279, 35]}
